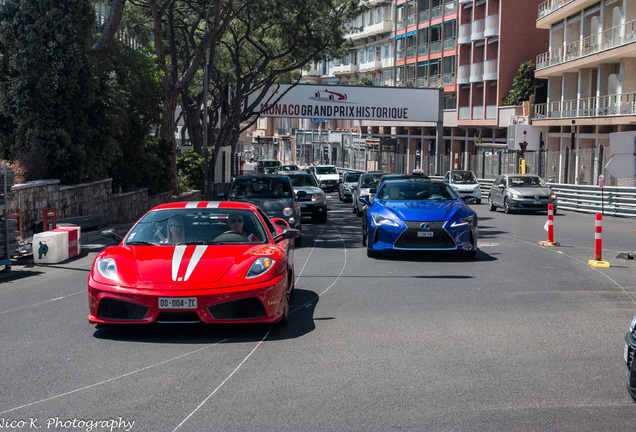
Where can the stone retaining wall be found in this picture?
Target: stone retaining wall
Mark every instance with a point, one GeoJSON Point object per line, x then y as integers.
{"type": "Point", "coordinates": [94, 198]}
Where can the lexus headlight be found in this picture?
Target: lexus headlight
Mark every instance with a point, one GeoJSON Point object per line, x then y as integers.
{"type": "Point", "coordinates": [288, 211]}
{"type": "Point", "coordinates": [466, 220]}
{"type": "Point", "coordinates": [107, 268]}
{"type": "Point", "coordinates": [260, 266]}
{"type": "Point", "coordinates": [381, 220]}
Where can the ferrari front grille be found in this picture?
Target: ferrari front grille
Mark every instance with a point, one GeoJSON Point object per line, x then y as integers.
{"type": "Point", "coordinates": [110, 308]}
{"type": "Point", "coordinates": [409, 239]}
{"type": "Point", "coordinates": [238, 309]}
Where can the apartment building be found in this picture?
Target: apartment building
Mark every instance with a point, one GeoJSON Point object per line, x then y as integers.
{"type": "Point", "coordinates": [472, 49]}
{"type": "Point", "coordinates": [590, 66]}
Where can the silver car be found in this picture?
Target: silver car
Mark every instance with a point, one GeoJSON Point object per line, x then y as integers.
{"type": "Point", "coordinates": [366, 182]}
{"type": "Point", "coordinates": [514, 192]}
{"type": "Point", "coordinates": [347, 184]}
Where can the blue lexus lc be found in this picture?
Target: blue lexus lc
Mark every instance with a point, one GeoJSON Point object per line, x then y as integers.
{"type": "Point", "coordinates": [418, 215]}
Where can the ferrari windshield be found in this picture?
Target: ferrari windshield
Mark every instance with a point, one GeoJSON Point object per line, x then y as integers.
{"type": "Point", "coordinates": [397, 190]}
{"type": "Point", "coordinates": [196, 226]}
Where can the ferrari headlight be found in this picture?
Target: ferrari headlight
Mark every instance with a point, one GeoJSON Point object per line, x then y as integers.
{"type": "Point", "coordinates": [381, 220]}
{"type": "Point", "coordinates": [466, 220]}
{"type": "Point", "coordinates": [107, 268]}
{"type": "Point", "coordinates": [288, 211]}
{"type": "Point", "coordinates": [260, 266]}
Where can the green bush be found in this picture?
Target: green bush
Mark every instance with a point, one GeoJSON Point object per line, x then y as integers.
{"type": "Point", "coordinates": [190, 166]}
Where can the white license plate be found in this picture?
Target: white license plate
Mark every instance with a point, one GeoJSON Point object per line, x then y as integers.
{"type": "Point", "coordinates": [538, 202]}
{"type": "Point", "coordinates": [177, 302]}
{"type": "Point", "coordinates": [425, 233]}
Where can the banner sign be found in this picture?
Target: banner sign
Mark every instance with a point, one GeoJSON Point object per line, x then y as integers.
{"type": "Point", "coordinates": [354, 102]}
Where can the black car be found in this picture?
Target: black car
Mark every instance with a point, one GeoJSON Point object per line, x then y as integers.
{"type": "Point", "coordinates": [268, 166]}
{"type": "Point", "coordinates": [312, 199]}
{"type": "Point", "coordinates": [273, 193]}
{"type": "Point", "coordinates": [630, 348]}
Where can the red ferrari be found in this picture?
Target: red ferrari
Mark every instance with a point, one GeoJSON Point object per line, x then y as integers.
{"type": "Point", "coordinates": [207, 261]}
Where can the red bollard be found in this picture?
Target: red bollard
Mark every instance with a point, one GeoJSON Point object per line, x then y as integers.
{"type": "Point", "coordinates": [551, 223]}
{"type": "Point", "coordinates": [549, 226]}
{"type": "Point", "coordinates": [598, 243]}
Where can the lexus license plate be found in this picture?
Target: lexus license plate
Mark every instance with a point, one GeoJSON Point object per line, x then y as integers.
{"type": "Point", "coordinates": [177, 303]}
{"type": "Point", "coordinates": [425, 233]}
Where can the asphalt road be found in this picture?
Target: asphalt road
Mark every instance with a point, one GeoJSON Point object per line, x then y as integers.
{"type": "Point", "coordinates": [523, 337]}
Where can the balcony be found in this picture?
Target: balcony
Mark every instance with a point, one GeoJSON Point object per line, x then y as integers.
{"type": "Point", "coordinates": [492, 26]}
{"type": "Point", "coordinates": [422, 50]}
{"type": "Point", "coordinates": [549, 6]}
{"type": "Point", "coordinates": [449, 79]}
{"type": "Point", "coordinates": [477, 72]}
{"type": "Point", "coordinates": [372, 2]}
{"type": "Point", "coordinates": [478, 112]}
{"type": "Point", "coordinates": [450, 8]}
{"type": "Point", "coordinates": [378, 28]}
{"type": "Point", "coordinates": [463, 74]}
{"type": "Point", "coordinates": [410, 21]}
{"type": "Point", "coordinates": [604, 106]}
{"type": "Point", "coordinates": [399, 55]}
{"type": "Point", "coordinates": [345, 69]}
{"type": "Point", "coordinates": [435, 81]}
{"type": "Point", "coordinates": [490, 70]}
{"type": "Point", "coordinates": [604, 41]}
{"type": "Point", "coordinates": [435, 47]}
{"type": "Point", "coordinates": [370, 66]}
{"type": "Point", "coordinates": [436, 12]}
{"type": "Point", "coordinates": [388, 62]}
{"type": "Point", "coordinates": [450, 44]}
{"type": "Point", "coordinates": [422, 82]}
{"type": "Point", "coordinates": [463, 113]}
{"type": "Point", "coordinates": [410, 52]}
{"type": "Point", "coordinates": [477, 30]}
{"type": "Point", "coordinates": [423, 18]}
{"type": "Point", "coordinates": [491, 112]}
{"type": "Point", "coordinates": [464, 34]}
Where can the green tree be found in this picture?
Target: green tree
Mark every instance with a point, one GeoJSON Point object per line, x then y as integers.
{"type": "Point", "coordinates": [49, 88]}
{"type": "Point", "coordinates": [365, 81]}
{"type": "Point", "coordinates": [523, 86]}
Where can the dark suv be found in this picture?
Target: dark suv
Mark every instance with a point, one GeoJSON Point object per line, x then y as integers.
{"type": "Point", "coordinates": [268, 166]}
{"type": "Point", "coordinates": [273, 193]}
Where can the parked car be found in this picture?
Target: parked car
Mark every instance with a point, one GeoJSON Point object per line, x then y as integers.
{"type": "Point", "coordinates": [418, 215]}
{"type": "Point", "coordinates": [515, 192]}
{"type": "Point", "coordinates": [312, 199]}
{"type": "Point", "coordinates": [289, 167]}
{"type": "Point", "coordinates": [347, 184]}
{"type": "Point", "coordinates": [465, 184]}
{"type": "Point", "coordinates": [191, 262]}
{"type": "Point", "coordinates": [366, 182]}
{"type": "Point", "coordinates": [273, 193]}
{"type": "Point", "coordinates": [630, 348]}
{"type": "Point", "coordinates": [327, 176]}
{"type": "Point", "coordinates": [268, 166]}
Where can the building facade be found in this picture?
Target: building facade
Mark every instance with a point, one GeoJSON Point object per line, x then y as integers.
{"type": "Point", "coordinates": [590, 66]}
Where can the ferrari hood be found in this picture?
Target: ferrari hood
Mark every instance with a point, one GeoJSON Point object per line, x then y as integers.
{"type": "Point", "coordinates": [423, 210]}
{"type": "Point", "coordinates": [192, 264]}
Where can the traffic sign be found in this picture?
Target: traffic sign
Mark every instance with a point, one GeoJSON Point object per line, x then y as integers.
{"type": "Point", "coordinates": [601, 180]}
{"type": "Point", "coordinates": [623, 151]}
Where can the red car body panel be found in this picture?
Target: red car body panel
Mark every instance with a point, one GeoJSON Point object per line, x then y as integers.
{"type": "Point", "coordinates": [213, 274]}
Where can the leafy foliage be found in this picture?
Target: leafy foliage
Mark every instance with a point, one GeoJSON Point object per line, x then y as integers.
{"type": "Point", "coordinates": [523, 86]}
{"type": "Point", "coordinates": [190, 170]}
{"type": "Point", "coordinates": [49, 88]}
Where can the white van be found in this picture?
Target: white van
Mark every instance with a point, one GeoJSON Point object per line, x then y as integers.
{"type": "Point", "coordinates": [327, 176]}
